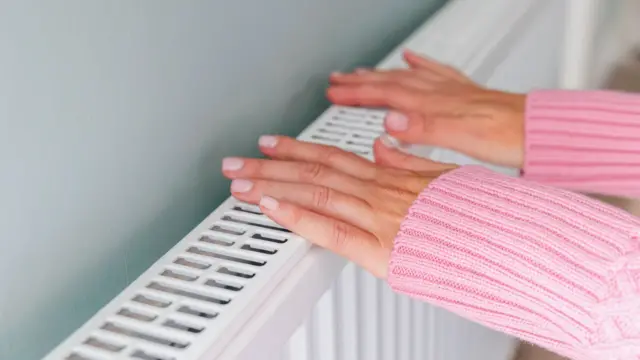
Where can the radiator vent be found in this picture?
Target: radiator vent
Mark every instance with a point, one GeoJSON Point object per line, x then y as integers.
{"type": "Point", "coordinates": [206, 287]}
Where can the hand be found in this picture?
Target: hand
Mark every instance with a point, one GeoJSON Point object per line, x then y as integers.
{"type": "Point", "coordinates": [333, 198]}
{"type": "Point", "coordinates": [434, 104]}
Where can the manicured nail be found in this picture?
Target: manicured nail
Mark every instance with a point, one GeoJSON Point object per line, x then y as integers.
{"type": "Point", "coordinates": [268, 141]}
{"type": "Point", "coordinates": [241, 186]}
{"type": "Point", "coordinates": [389, 141]}
{"type": "Point", "coordinates": [396, 121]}
{"type": "Point", "coordinates": [232, 164]}
{"type": "Point", "coordinates": [269, 203]}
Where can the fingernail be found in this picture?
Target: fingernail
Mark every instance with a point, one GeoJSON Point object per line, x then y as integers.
{"type": "Point", "coordinates": [269, 203]}
{"type": "Point", "coordinates": [389, 141]}
{"type": "Point", "coordinates": [268, 141]}
{"type": "Point", "coordinates": [241, 186]}
{"type": "Point", "coordinates": [396, 121]}
{"type": "Point", "coordinates": [336, 73]}
{"type": "Point", "coordinates": [361, 71]}
{"type": "Point", "coordinates": [232, 164]}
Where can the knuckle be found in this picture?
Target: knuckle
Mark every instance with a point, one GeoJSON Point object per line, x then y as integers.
{"type": "Point", "coordinates": [259, 168]}
{"type": "Point", "coordinates": [311, 172]}
{"type": "Point", "coordinates": [321, 197]}
{"type": "Point", "coordinates": [333, 155]}
{"type": "Point", "coordinates": [340, 235]}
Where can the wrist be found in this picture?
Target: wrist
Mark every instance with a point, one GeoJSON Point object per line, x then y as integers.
{"type": "Point", "coordinates": [505, 132]}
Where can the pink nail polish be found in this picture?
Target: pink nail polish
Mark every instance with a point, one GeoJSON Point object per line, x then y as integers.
{"type": "Point", "coordinates": [269, 203]}
{"type": "Point", "coordinates": [268, 141]}
{"type": "Point", "coordinates": [232, 164]}
{"type": "Point", "coordinates": [388, 141]}
{"type": "Point", "coordinates": [241, 186]}
{"type": "Point", "coordinates": [396, 121]}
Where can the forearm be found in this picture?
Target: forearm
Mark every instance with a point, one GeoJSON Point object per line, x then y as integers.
{"type": "Point", "coordinates": [546, 265]}
{"type": "Point", "coordinates": [587, 141]}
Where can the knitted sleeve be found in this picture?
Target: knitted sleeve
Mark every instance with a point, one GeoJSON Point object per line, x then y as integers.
{"type": "Point", "coordinates": [586, 141]}
{"type": "Point", "coordinates": [549, 266]}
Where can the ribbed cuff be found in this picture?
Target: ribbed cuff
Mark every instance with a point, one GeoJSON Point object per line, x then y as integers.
{"type": "Point", "coordinates": [535, 262]}
{"type": "Point", "coordinates": [585, 141]}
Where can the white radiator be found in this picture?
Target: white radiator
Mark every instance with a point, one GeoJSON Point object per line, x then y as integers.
{"type": "Point", "coordinates": [240, 287]}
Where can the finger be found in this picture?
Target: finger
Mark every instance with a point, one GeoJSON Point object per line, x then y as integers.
{"type": "Point", "coordinates": [416, 61]}
{"type": "Point", "coordinates": [320, 199]}
{"type": "Point", "coordinates": [285, 148]}
{"type": "Point", "coordinates": [386, 152]}
{"type": "Point", "coordinates": [363, 76]}
{"type": "Point", "coordinates": [339, 237]}
{"type": "Point", "coordinates": [413, 127]}
{"type": "Point", "coordinates": [417, 80]}
{"type": "Point", "coordinates": [389, 95]}
{"type": "Point", "coordinates": [292, 172]}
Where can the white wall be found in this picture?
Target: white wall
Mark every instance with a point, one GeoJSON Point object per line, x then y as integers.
{"type": "Point", "coordinates": [114, 116]}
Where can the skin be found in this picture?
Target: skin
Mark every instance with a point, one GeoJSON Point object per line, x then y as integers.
{"type": "Point", "coordinates": [331, 197]}
{"type": "Point", "coordinates": [442, 107]}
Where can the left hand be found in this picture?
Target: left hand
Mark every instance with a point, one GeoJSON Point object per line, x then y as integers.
{"type": "Point", "coordinates": [434, 104]}
{"type": "Point", "coordinates": [331, 197]}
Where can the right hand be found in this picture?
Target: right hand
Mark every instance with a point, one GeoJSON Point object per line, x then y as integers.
{"type": "Point", "coordinates": [434, 104]}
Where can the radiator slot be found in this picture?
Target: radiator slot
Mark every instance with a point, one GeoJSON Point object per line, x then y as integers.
{"type": "Point", "coordinates": [270, 238]}
{"type": "Point", "coordinates": [197, 312]}
{"type": "Point", "coordinates": [179, 276]}
{"type": "Point", "coordinates": [182, 327]}
{"type": "Point", "coordinates": [77, 356]}
{"type": "Point", "coordinates": [223, 285]}
{"type": "Point", "coordinates": [332, 132]}
{"type": "Point", "coordinates": [353, 128]}
{"type": "Point", "coordinates": [188, 294]}
{"type": "Point", "coordinates": [216, 255]}
{"type": "Point", "coordinates": [325, 138]}
{"type": "Point", "coordinates": [141, 355]}
{"type": "Point", "coordinates": [122, 330]}
{"type": "Point", "coordinates": [233, 272]}
{"type": "Point", "coordinates": [226, 229]}
{"type": "Point", "coordinates": [147, 300]}
{"type": "Point", "coordinates": [238, 220]}
{"type": "Point", "coordinates": [191, 263]}
{"type": "Point", "coordinates": [250, 209]}
{"type": "Point", "coordinates": [259, 249]}
{"type": "Point", "coordinates": [211, 239]}
{"type": "Point", "coordinates": [135, 315]}
{"type": "Point", "coordinates": [104, 345]}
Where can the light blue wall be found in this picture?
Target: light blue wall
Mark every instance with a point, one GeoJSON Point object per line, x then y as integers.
{"type": "Point", "coordinates": [115, 115]}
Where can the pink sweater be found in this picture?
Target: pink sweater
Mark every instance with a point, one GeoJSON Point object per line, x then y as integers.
{"type": "Point", "coordinates": [546, 265]}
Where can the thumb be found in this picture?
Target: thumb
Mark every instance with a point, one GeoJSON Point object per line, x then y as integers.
{"type": "Point", "coordinates": [387, 152]}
